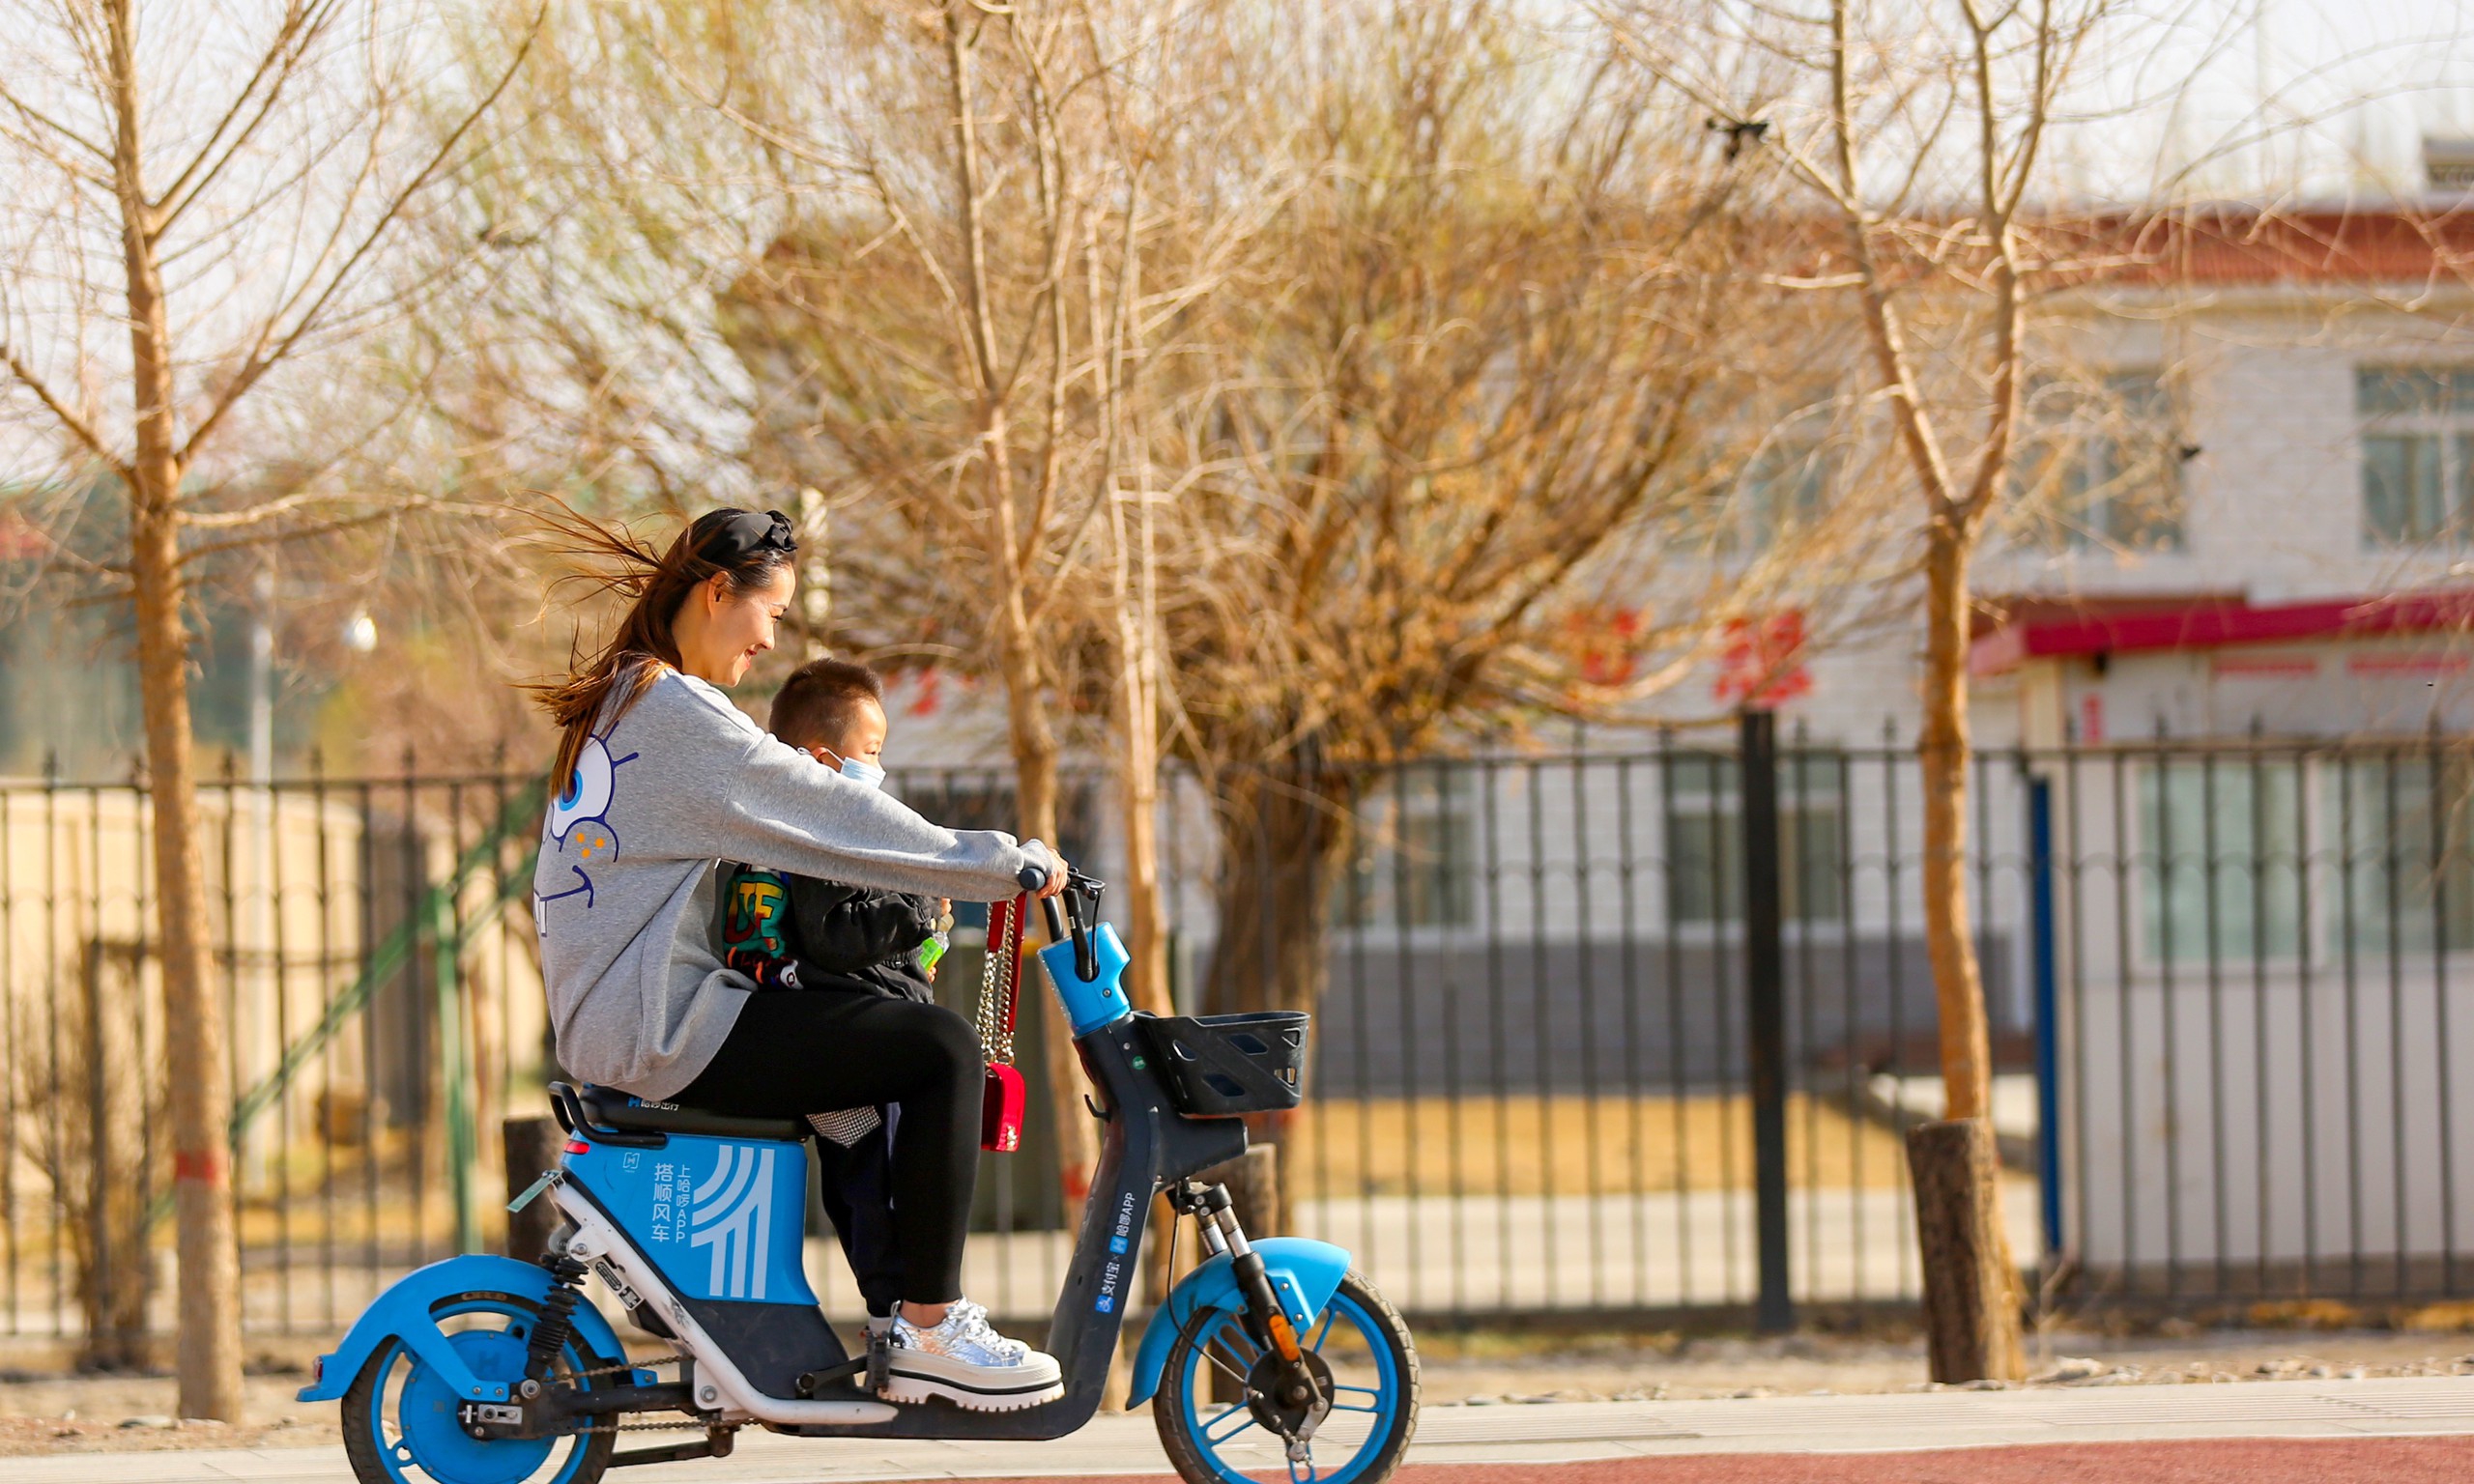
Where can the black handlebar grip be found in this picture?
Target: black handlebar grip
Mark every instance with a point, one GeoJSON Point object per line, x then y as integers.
{"type": "Point", "coordinates": [1031, 877]}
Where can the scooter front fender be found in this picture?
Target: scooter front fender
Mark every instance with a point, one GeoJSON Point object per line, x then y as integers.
{"type": "Point", "coordinates": [405, 1311]}
{"type": "Point", "coordinates": [1304, 1273]}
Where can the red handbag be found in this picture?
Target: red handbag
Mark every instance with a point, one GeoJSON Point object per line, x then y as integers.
{"type": "Point", "coordinates": [1000, 983]}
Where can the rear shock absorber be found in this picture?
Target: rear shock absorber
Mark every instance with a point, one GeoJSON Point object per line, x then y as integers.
{"type": "Point", "coordinates": [557, 1321]}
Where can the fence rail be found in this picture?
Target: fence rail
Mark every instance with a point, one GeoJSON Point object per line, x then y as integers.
{"type": "Point", "coordinates": [2225, 982]}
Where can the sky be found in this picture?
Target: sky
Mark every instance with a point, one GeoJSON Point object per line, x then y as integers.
{"type": "Point", "coordinates": [2351, 88]}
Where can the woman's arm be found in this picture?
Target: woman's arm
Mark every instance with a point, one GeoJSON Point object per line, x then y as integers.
{"type": "Point", "coordinates": [729, 791]}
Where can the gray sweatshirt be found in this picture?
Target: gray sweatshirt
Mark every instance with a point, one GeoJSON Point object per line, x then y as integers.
{"type": "Point", "coordinates": [624, 896]}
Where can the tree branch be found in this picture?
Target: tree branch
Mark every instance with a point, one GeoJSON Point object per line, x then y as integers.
{"type": "Point", "coordinates": [262, 362]}
{"type": "Point", "coordinates": [75, 426]}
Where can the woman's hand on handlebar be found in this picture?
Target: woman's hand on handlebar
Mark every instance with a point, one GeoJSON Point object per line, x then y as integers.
{"type": "Point", "coordinates": [1056, 878]}
{"type": "Point", "coordinates": [1058, 873]}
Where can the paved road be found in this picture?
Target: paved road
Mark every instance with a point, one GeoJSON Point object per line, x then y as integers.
{"type": "Point", "coordinates": [2227, 1461]}
{"type": "Point", "coordinates": [2299, 1430]}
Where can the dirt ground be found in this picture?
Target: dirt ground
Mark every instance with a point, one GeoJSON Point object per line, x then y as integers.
{"type": "Point", "coordinates": [45, 1410]}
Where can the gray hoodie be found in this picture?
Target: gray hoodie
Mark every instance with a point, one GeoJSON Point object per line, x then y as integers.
{"type": "Point", "coordinates": [623, 899]}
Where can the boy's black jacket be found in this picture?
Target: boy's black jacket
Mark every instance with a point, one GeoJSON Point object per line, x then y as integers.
{"type": "Point", "coordinates": [860, 935]}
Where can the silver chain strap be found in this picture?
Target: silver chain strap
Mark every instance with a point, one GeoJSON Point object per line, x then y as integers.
{"type": "Point", "coordinates": [996, 978]}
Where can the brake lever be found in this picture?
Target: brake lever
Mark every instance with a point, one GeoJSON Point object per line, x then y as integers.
{"type": "Point", "coordinates": [1083, 910]}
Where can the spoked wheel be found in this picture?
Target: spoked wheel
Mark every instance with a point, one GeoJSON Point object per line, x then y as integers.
{"type": "Point", "coordinates": [1366, 1368]}
{"type": "Point", "coordinates": [399, 1418]}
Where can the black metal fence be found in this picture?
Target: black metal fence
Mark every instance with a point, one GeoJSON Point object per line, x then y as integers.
{"type": "Point", "coordinates": [2223, 981]}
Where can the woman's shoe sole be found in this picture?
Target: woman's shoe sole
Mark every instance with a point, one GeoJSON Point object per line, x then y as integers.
{"type": "Point", "coordinates": [973, 1388]}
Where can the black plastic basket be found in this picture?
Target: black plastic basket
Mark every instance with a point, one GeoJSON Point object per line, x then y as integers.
{"type": "Point", "coordinates": [1220, 1066]}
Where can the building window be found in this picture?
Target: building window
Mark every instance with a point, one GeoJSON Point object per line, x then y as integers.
{"type": "Point", "coordinates": [2100, 463]}
{"type": "Point", "coordinates": [2220, 867]}
{"type": "Point", "coordinates": [2417, 452]}
{"type": "Point", "coordinates": [2223, 875]}
{"type": "Point", "coordinates": [1414, 864]}
{"type": "Point", "coordinates": [2406, 878]}
{"type": "Point", "coordinates": [1705, 842]}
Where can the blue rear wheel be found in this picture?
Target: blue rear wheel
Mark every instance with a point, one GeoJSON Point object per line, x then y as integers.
{"type": "Point", "coordinates": [1218, 1430]}
{"type": "Point", "coordinates": [400, 1421]}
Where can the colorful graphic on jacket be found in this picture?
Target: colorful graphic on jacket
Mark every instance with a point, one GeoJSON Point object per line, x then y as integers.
{"type": "Point", "coordinates": [579, 822]}
{"type": "Point", "coordinates": [753, 903]}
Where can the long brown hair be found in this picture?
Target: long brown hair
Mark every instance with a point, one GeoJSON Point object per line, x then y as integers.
{"type": "Point", "coordinates": [600, 689]}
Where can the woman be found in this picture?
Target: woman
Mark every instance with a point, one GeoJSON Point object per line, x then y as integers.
{"type": "Point", "coordinates": [663, 779]}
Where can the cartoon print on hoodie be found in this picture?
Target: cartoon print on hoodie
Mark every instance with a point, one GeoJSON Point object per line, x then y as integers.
{"type": "Point", "coordinates": [579, 822]}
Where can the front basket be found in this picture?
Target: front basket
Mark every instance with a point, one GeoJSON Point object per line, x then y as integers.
{"type": "Point", "coordinates": [1219, 1066]}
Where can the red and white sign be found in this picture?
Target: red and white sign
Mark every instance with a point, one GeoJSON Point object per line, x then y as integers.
{"type": "Point", "coordinates": [1762, 663]}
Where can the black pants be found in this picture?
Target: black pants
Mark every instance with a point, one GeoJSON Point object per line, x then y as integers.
{"type": "Point", "coordinates": [798, 1052]}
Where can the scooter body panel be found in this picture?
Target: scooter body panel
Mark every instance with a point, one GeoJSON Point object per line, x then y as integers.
{"type": "Point", "coordinates": [404, 1312]}
{"type": "Point", "coordinates": [1303, 1276]}
{"type": "Point", "coordinates": [1094, 1002]}
{"type": "Point", "coordinates": [722, 1218]}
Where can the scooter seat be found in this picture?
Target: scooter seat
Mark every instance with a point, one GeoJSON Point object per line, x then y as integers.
{"type": "Point", "coordinates": [607, 1107]}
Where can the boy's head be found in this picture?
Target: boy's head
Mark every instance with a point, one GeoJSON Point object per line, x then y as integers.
{"type": "Point", "coordinates": [833, 710]}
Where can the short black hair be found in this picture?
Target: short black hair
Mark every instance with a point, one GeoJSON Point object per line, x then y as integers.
{"type": "Point", "coordinates": [820, 700]}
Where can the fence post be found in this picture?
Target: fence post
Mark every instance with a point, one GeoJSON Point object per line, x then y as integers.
{"type": "Point", "coordinates": [454, 1069]}
{"type": "Point", "coordinates": [1765, 968]}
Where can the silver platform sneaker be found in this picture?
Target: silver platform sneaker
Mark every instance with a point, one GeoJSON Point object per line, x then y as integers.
{"type": "Point", "coordinates": [968, 1364]}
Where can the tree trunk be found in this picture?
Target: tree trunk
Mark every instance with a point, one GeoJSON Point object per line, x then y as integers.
{"type": "Point", "coordinates": [1283, 837]}
{"type": "Point", "coordinates": [1138, 774]}
{"type": "Point", "coordinates": [116, 1268]}
{"type": "Point", "coordinates": [1138, 793]}
{"type": "Point", "coordinates": [1970, 1311]}
{"type": "Point", "coordinates": [1958, 983]}
{"type": "Point", "coordinates": [209, 1357]}
{"type": "Point", "coordinates": [816, 577]}
{"type": "Point", "coordinates": [1944, 752]}
{"type": "Point", "coordinates": [1035, 794]}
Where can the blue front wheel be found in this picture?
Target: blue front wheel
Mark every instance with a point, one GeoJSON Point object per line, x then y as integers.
{"type": "Point", "coordinates": [1221, 1425]}
{"type": "Point", "coordinates": [401, 1425]}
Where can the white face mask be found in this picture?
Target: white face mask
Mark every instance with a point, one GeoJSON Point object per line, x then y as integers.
{"type": "Point", "coordinates": [861, 771]}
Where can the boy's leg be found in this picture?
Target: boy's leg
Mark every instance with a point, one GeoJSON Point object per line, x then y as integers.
{"type": "Point", "coordinates": [832, 1191]}
{"type": "Point", "coordinates": [867, 1194]}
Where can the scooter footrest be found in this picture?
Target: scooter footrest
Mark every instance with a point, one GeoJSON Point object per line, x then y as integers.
{"type": "Point", "coordinates": [812, 1382]}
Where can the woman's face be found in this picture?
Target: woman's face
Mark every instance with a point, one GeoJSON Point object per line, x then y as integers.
{"type": "Point", "coordinates": [720, 632]}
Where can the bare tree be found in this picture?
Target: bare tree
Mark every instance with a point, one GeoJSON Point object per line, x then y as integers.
{"type": "Point", "coordinates": [1924, 134]}
{"type": "Point", "coordinates": [222, 191]}
{"type": "Point", "coordinates": [1012, 219]}
{"type": "Point", "coordinates": [1457, 466]}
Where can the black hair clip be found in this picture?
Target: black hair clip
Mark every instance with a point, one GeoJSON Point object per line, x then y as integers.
{"type": "Point", "coordinates": [739, 533]}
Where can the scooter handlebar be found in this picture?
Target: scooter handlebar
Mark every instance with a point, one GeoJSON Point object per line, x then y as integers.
{"type": "Point", "coordinates": [1073, 913]}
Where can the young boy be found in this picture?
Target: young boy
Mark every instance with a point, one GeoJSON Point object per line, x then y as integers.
{"type": "Point", "coordinates": [791, 932]}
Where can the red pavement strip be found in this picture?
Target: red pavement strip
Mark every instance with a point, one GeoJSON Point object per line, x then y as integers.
{"type": "Point", "coordinates": [2211, 1461]}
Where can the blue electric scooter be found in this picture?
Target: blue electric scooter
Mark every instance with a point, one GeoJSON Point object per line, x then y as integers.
{"type": "Point", "coordinates": [1270, 1361]}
